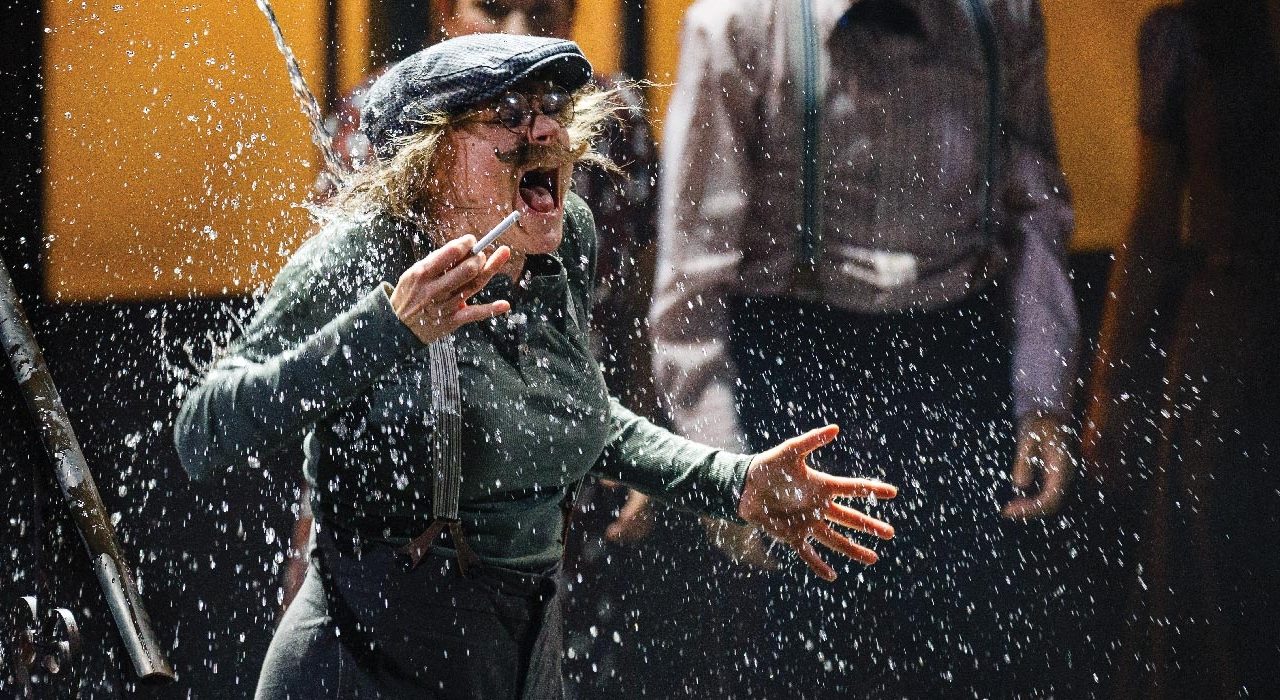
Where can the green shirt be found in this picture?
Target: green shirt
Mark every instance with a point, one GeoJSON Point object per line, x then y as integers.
{"type": "Point", "coordinates": [326, 358]}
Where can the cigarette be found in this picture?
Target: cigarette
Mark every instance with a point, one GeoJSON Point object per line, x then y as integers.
{"type": "Point", "coordinates": [498, 230]}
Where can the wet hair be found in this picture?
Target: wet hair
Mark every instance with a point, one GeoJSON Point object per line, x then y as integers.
{"type": "Point", "coordinates": [396, 186]}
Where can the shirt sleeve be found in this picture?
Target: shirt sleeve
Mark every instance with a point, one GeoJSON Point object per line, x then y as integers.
{"type": "Point", "coordinates": [1038, 203]}
{"type": "Point", "coordinates": [660, 463]}
{"type": "Point", "coordinates": [702, 209]}
{"type": "Point", "coordinates": [311, 347]}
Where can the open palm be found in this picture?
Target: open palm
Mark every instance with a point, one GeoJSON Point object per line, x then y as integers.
{"type": "Point", "coordinates": [795, 503]}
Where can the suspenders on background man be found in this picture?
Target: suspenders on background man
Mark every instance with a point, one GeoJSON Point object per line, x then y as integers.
{"type": "Point", "coordinates": [804, 54]}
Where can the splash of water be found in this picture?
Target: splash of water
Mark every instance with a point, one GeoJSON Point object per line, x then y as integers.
{"type": "Point", "coordinates": [333, 167]}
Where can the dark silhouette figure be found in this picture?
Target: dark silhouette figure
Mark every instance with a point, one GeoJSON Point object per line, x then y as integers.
{"type": "Point", "coordinates": [1188, 359]}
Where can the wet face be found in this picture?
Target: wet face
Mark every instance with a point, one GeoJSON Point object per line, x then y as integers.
{"type": "Point", "coordinates": [488, 168]}
{"type": "Point", "coordinates": [550, 18]}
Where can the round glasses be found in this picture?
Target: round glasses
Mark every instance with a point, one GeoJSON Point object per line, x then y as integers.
{"type": "Point", "coordinates": [516, 110]}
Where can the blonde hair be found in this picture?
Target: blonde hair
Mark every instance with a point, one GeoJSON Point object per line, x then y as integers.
{"type": "Point", "coordinates": [396, 186]}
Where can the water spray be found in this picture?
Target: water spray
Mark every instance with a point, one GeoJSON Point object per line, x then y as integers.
{"type": "Point", "coordinates": [333, 169]}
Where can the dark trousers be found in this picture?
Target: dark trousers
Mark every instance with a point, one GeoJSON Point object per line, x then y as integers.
{"type": "Point", "coordinates": [362, 626]}
{"type": "Point", "coordinates": [957, 605]}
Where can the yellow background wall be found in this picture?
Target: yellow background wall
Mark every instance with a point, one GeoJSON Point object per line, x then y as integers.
{"type": "Point", "coordinates": [174, 151]}
{"type": "Point", "coordinates": [1093, 81]}
{"type": "Point", "coordinates": [176, 156]}
{"type": "Point", "coordinates": [598, 30]}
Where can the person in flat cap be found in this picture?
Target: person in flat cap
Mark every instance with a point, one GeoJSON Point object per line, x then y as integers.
{"type": "Point", "coordinates": [448, 400]}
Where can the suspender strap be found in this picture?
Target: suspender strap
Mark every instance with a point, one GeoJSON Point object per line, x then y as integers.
{"type": "Point", "coordinates": [413, 552]}
{"type": "Point", "coordinates": [446, 450]}
{"type": "Point", "coordinates": [446, 455]}
{"type": "Point", "coordinates": [980, 14]}
{"type": "Point", "coordinates": [806, 59]}
{"type": "Point", "coordinates": [567, 505]}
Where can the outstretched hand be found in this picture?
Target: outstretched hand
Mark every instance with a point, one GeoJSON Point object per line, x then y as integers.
{"type": "Point", "coordinates": [794, 503]}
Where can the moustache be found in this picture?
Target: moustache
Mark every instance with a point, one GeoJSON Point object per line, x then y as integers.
{"type": "Point", "coordinates": [537, 155]}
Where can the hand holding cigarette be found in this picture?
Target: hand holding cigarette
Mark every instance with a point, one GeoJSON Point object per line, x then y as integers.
{"type": "Point", "coordinates": [431, 296]}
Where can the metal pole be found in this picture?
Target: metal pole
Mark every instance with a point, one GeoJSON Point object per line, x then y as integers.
{"type": "Point", "coordinates": [78, 487]}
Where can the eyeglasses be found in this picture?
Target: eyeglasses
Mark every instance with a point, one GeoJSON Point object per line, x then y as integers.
{"type": "Point", "coordinates": [516, 110]}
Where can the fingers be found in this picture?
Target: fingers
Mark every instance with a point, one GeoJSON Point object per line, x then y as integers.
{"type": "Point", "coordinates": [420, 285]}
{"type": "Point", "coordinates": [1046, 503]}
{"type": "Point", "coordinates": [837, 542]}
{"type": "Point", "coordinates": [1018, 508]}
{"type": "Point", "coordinates": [1023, 473]}
{"type": "Point", "coordinates": [1051, 497]}
{"type": "Point", "coordinates": [813, 559]}
{"type": "Point", "coordinates": [854, 487]}
{"type": "Point", "coordinates": [470, 313]}
{"type": "Point", "coordinates": [492, 266]}
{"type": "Point", "coordinates": [743, 544]}
{"type": "Point", "coordinates": [451, 285]}
{"type": "Point", "coordinates": [480, 312]}
{"type": "Point", "coordinates": [634, 522]}
{"type": "Point", "coordinates": [497, 261]}
{"type": "Point", "coordinates": [857, 520]}
{"type": "Point", "coordinates": [444, 257]}
{"type": "Point", "coordinates": [1053, 459]}
{"type": "Point", "coordinates": [804, 444]}
{"type": "Point", "coordinates": [1025, 508]}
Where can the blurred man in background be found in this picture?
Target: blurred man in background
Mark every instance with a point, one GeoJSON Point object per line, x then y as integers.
{"type": "Point", "coordinates": [875, 186]}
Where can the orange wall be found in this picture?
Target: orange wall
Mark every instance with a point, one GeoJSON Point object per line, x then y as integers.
{"type": "Point", "coordinates": [1093, 77]}
{"type": "Point", "coordinates": [664, 22]}
{"type": "Point", "coordinates": [353, 44]}
{"type": "Point", "coordinates": [174, 152]}
{"type": "Point", "coordinates": [598, 30]}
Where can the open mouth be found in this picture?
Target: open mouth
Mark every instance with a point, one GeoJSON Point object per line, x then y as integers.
{"type": "Point", "coordinates": [539, 190]}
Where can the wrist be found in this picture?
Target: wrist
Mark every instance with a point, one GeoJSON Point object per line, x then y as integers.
{"type": "Point", "coordinates": [747, 493]}
{"type": "Point", "coordinates": [1041, 417]}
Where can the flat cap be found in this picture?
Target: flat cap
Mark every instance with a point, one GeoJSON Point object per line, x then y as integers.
{"type": "Point", "coordinates": [458, 74]}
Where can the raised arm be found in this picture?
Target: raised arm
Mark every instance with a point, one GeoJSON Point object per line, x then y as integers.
{"type": "Point", "coordinates": [775, 490]}
{"type": "Point", "coordinates": [677, 470]}
{"type": "Point", "coordinates": [327, 330]}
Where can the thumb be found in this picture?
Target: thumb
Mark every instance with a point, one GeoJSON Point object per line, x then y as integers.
{"type": "Point", "coordinates": [633, 522]}
{"type": "Point", "coordinates": [802, 445]}
{"type": "Point", "coordinates": [1023, 474]}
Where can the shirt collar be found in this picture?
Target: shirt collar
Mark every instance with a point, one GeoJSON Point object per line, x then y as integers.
{"type": "Point", "coordinates": [830, 15]}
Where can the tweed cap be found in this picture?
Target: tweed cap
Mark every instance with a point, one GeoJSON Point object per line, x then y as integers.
{"type": "Point", "coordinates": [458, 74]}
